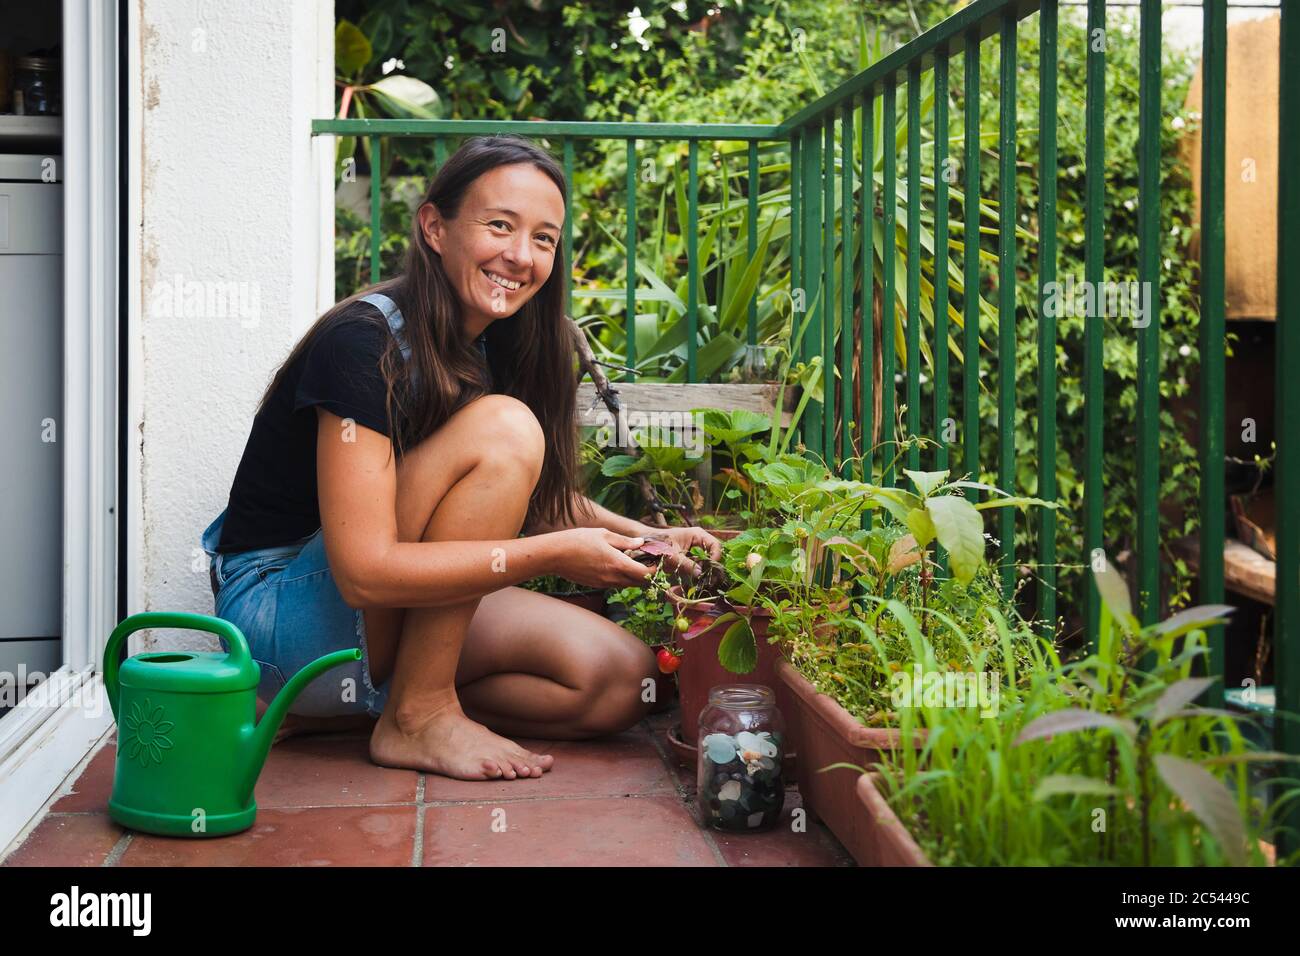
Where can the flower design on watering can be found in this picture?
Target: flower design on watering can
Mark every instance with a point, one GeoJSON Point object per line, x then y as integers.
{"type": "Point", "coordinates": [146, 733]}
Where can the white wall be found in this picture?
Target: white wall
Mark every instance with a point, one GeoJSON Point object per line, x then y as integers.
{"type": "Point", "coordinates": [232, 190]}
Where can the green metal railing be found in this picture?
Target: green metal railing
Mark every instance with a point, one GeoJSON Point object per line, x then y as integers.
{"type": "Point", "coordinates": [813, 132]}
{"type": "Point", "coordinates": [866, 106]}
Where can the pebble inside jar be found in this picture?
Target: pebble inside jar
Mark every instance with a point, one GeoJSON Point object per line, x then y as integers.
{"type": "Point", "coordinates": [739, 773]}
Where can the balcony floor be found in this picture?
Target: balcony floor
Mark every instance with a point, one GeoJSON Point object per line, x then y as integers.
{"type": "Point", "coordinates": [618, 801]}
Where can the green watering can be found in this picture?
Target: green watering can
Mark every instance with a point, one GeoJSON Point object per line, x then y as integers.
{"type": "Point", "coordinates": [188, 750]}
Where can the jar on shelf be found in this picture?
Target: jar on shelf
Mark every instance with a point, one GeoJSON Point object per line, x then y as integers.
{"type": "Point", "coordinates": [37, 87]}
{"type": "Point", "coordinates": [742, 742]}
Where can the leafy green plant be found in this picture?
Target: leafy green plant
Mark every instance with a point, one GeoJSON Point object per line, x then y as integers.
{"type": "Point", "coordinates": [1097, 761]}
{"type": "Point", "coordinates": [649, 616]}
{"type": "Point", "coordinates": [939, 511]}
{"type": "Point", "coordinates": [802, 572]}
{"type": "Point", "coordinates": [664, 462]}
{"type": "Point", "coordinates": [863, 650]}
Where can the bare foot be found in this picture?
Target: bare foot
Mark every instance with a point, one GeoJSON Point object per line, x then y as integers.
{"type": "Point", "coordinates": [451, 744]}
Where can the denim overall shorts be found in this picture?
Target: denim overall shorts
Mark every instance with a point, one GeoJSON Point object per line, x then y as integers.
{"type": "Point", "coordinates": [285, 602]}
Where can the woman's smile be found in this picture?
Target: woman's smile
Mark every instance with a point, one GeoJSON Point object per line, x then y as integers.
{"type": "Point", "coordinates": [500, 281]}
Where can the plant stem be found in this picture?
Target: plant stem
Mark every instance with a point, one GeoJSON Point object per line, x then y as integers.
{"type": "Point", "coordinates": [1145, 797]}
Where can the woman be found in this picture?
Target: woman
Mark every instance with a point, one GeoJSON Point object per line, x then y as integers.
{"type": "Point", "coordinates": [409, 437]}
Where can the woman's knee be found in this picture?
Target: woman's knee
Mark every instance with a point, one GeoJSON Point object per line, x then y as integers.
{"type": "Point", "coordinates": [503, 429]}
{"type": "Point", "coordinates": [494, 432]}
{"type": "Point", "coordinates": [620, 688]}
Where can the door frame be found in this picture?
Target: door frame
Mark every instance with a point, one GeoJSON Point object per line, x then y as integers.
{"type": "Point", "coordinates": [53, 728]}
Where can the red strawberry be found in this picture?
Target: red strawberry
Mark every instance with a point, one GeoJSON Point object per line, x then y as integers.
{"type": "Point", "coordinates": [668, 661]}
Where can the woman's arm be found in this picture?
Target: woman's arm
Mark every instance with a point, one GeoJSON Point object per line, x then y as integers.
{"type": "Point", "coordinates": [357, 487]}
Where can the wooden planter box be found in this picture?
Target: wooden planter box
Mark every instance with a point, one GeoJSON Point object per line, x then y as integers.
{"type": "Point", "coordinates": [824, 734]}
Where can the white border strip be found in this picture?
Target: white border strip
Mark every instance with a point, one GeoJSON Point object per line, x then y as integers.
{"type": "Point", "coordinates": [53, 728]}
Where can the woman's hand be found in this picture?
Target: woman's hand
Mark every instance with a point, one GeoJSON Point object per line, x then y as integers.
{"type": "Point", "coordinates": [594, 557]}
{"type": "Point", "coordinates": [683, 539]}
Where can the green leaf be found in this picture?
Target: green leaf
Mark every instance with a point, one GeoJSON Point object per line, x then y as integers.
{"type": "Point", "coordinates": [1071, 719]}
{"type": "Point", "coordinates": [658, 284]}
{"type": "Point", "coordinates": [509, 85]}
{"type": "Point", "coordinates": [960, 530]}
{"type": "Point", "coordinates": [1192, 618]}
{"type": "Point", "coordinates": [737, 308]}
{"type": "Point", "coordinates": [926, 481]}
{"type": "Point", "coordinates": [921, 525]}
{"type": "Point", "coordinates": [717, 353]}
{"type": "Point", "coordinates": [351, 49]}
{"type": "Point", "coordinates": [1010, 502]}
{"type": "Point", "coordinates": [1209, 800]}
{"type": "Point", "coordinates": [620, 466]}
{"type": "Point", "coordinates": [1178, 695]}
{"type": "Point", "coordinates": [980, 486]}
{"type": "Point", "coordinates": [897, 502]}
{"type": "Point", "coordinates": [743, 593]}
{"type": "Point", "coordinates": [732, 428]}
{"type": "Point", "coordinates": [738, 652]}
{"type": "Point", "coordinates": [1114, 592]}
{"type": "Point", "coordinates": [1059, 783]}
{"type": "Point", "coordinates": [1253, 756]}
{"type": "Point", "coordinates": [406, 94]}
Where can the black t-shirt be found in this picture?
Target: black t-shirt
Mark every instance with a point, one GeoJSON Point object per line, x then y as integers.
{"type": "Point", "coordinates": [273, 499]}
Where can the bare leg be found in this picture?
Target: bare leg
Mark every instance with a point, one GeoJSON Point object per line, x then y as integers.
{"type": "Point", "coordinates": [475, 476]}
{"type": "Point", "coordinates": [534, 666]}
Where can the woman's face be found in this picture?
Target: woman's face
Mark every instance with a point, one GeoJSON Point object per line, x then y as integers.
{"type": "Point", "coordinates": [501, 248]}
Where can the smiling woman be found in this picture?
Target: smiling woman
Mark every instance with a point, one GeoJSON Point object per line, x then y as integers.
{"type": "Point", "coordinates": [410, 436]}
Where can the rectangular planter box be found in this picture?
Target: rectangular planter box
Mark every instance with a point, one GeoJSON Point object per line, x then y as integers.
{"type": "Point", "coordinates": [825, 733]}
{"type": "Point", "coordinates": [886, 841]}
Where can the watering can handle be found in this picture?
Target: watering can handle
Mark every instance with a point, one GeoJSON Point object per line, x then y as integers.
{"type": "Point", "coordinates": [183, 619]}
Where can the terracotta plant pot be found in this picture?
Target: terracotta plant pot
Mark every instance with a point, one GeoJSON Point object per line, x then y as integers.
{"type": "Point", "coordinates": [885, 841]}
{"type": "Point", "coordinates": [699, 672]}
{"type": "Point", "coordinates": [825, 733]}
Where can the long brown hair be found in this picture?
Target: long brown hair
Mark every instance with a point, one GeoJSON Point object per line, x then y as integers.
{"type": "Point", "coordinates": [530, 353]}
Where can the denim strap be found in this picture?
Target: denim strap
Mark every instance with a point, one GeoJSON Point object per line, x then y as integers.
{"type": "Point", "coordinates": [397, 324]}
{"type": "Point", "coordinates": [393, 316]}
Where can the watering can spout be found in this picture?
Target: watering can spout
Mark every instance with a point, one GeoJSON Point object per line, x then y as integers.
{"type": "Point", "coordinates": [264, 733]}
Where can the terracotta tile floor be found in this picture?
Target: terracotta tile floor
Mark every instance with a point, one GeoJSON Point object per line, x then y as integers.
{"type": "Point", "coordinates": [618, 801]}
